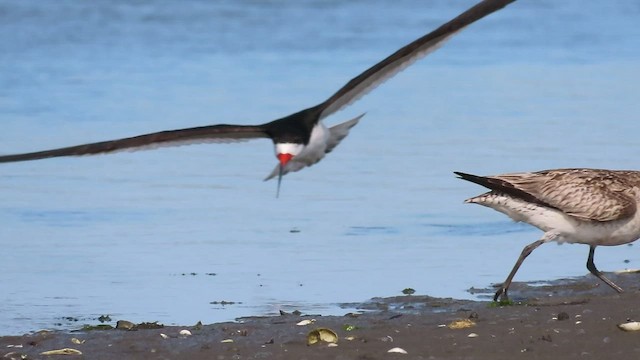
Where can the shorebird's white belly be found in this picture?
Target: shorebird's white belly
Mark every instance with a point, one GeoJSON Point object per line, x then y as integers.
{"type": "Point", "coordinates": [560, 226]}
{"type": "Point", "coordinates": [317, 146]}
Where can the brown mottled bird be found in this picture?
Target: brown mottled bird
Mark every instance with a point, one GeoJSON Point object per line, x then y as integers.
{"type": "Point", "coordinates": [585, 206]}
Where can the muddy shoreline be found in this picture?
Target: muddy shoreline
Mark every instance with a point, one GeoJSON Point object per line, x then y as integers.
{"type": "Point", "coordinates": [567, 319]}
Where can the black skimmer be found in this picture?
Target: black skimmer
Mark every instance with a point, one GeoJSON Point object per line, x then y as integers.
{"type": "Point", "coordinates": [300, 139]}
{"type": "Point", "coordinates": [585, 206]}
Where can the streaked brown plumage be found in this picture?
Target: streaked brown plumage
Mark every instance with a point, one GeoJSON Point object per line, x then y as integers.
{"type": "Point", "coordinates": [587, 206]}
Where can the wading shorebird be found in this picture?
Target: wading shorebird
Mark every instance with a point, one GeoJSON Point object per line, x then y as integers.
{"type": "Point", "coordinates": [300, 139]}
{"type": "Point", "coordinates": [585, 206]}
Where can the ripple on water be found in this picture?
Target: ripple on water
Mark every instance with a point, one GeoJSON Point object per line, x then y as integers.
{"type": "Point", "coordinates": [480, 229]}
{"type": "Point", "coordinates": [371, 230]}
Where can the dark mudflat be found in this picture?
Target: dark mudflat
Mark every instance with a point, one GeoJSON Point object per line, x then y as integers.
{"type": "Point", "coordinates": [568, 319]}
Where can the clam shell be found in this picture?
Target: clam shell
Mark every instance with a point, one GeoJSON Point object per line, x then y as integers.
{"type": "Point", "coordinates": [630, 326]}
{"type": "Point", "coordinates": [397, 350]}
{"type": "Point", "coordinates": [322, 334]}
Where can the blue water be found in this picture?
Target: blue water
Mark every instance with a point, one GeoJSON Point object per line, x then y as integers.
{"type": "Point", "coordinates": [541, 84]}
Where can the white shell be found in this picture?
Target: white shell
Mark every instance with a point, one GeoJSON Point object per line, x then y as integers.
{"type": "Point", "coordinates": [185, 332]}
{"type": "Point", "coordinates": [65, 351]}
{"type": "Point", "coordinates": [398, 350]}
{"type": "Point", "coordinates": [164, 336]}
{"type": "Point", "coordinates": [630, 326]}
{"type": "Point", "coordinates": [473, 335]}
{"type": "Point", "coordinates": [306, 322]}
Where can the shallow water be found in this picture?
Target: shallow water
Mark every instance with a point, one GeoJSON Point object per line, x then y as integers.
{"type": "Point", "coordinates": [539, 85]}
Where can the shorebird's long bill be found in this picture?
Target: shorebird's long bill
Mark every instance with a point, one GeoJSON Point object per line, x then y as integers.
{"type": "Point", "coordinates": [284, 159]}
{"type": "Point", "coordinates": [280, 172]}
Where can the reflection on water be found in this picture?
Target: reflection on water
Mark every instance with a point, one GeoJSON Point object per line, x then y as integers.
{"type": "Point", "coordinates": [539, 85]}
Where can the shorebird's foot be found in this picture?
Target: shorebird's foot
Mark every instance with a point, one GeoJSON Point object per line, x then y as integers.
{"type": "Point", "coordinates": [501, 294]}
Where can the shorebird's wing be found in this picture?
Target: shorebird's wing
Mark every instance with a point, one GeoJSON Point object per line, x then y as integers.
{"type": "Point", "coordinates": [339, 132]}
{"type": "Point", "coordinates": [587, 194]}
{"type": "Point", "coordinates": [202, 134]}
{"type": "Point", "coordinates": [396, 62]}
{"type": "Point", "coordinates": [503, 184]}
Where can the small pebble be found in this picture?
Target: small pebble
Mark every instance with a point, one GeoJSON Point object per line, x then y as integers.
{"type": "Point", "coordinates": [125, 325]}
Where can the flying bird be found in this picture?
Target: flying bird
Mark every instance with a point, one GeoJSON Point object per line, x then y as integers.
{"type": "Point", "coordinates": [300, 139]}
{"type": "Point", "coordinates": [583, 206]}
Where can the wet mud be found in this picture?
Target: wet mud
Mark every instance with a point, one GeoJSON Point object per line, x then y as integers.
{"type": "Point", "coordinates": [566, 319]}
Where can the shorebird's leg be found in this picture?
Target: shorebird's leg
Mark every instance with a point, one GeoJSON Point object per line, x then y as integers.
{"type": "Point", "coordinates": [592, 268]}
{"type": "Point", "coordinates": [502, 291]}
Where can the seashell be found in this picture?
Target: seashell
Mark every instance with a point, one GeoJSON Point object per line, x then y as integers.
{"type": "Point", "coordinates": [461, 324]}
{"type": "Point", "coordinates": [306, 322]}
{"type": "Point", "coordinates": [322, 334]}
{"type": "Point", "coordinates": [397, 350]}
{"type": "Point", "coordinates": [630, 326]}
{"type": "Point", "coordinates": [65, 351]}
{"type": "Point", "coordinates": [185, 332]}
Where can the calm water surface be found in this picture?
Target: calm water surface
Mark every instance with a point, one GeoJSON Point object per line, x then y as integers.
{"type": "Point", "coordinates": [542, 84]}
